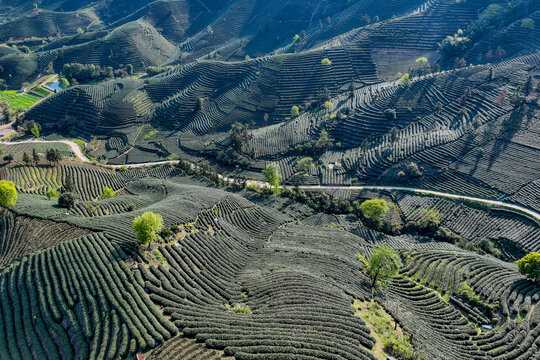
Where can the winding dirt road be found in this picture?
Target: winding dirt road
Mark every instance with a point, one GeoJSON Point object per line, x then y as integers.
{"type": "Point", "coordinates": [81, 156]}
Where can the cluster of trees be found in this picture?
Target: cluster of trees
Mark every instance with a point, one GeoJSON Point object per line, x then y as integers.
{"type": "Point", "coordinates": [76, 73]}
{"type": "Point", "coordinates": [316, 146]}
{"type": "Point", "coordinates": [53, 156]}
{"type": "Point", "coordinates": [239, 136]}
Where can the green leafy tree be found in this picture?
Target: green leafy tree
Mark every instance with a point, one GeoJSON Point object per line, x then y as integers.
{"type": "Point", "coordinates": [52, 194]}
{"type": "Point", "coordinates": [107, 193]}
{"type": "Point", "coordinates": [304, 164]}
{"type": "Point", "coordinates": [326, 62]}
{"type": "Point", "coordinates": [405, 80]}
{"type": "Point", "coordinates": [272, 175]}
{"type": "Point", "coordinates": [35, 130]}
{"type": "Point", "coordinates": [324, 140]}
{"type": "Point", "coordinates": [8, 194]}
{"type": "Point", "coordinates": [64, 83]}
{"type": "Point", "coordinates": [374, 209]}
{"type": "Point", "coordinates": [382, 267]}
{"type": "Point", "coordinates": [328, 105]}
{"type": "Point", "coordinates": [146, 227]}
{"type": "Point", "coordinates": [67, 200]}
{"type": "Point", "coordinates": [295, 111]}
{"type": "Point", "coordinates": [429, 219]}
{"type": "Point", "coordinates": [529, 266]}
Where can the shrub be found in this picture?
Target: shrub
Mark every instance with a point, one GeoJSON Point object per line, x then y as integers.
{"type": "Point", "coordinates": [413, 170]}
{"type": "Point", "coordinates": [405, 80]}
{"type": "Point", "coordinates": [8, 194]}
{"type": "Point", "coordinates": [67, 200]}
{"type": "Point", "coordinates": [147, 226]}
{"type": "Point", "coordinates": [52, 194]}
{"type": "Point", "coordinates": [295, 111]}
{"type": "Point", "coordinates": [326, 62]}
{"type": "Point", "coordinates": [468, 293]}
{"type": "Point", "coordinates": [527, 23]}
{"type": "Point", "coordinates": [390, 114]}
{"type": "Point", "coordinates": [304, 164]}
{"type": "Point", "coordinates": [529, 266]}
{"type": "Point", "coordinates": [107, 193]}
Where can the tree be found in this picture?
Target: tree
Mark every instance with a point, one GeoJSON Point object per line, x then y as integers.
{"type": "Point", "coordinates": [8, 194]}
{"type": "Point", "coordinates": [146, 227]}
{"type": "Point", "coordinates": [53, 156]}
{"type": "Point", "coordinates": [295, 111]}
{"type": "Point", "coordinates": [52, 194]}
{"type": "Point", "coordinates": [107, 193]}
{"type": "Point", "coordinates": [64, 83]}
{"type": "Point", "coordinates": [405, 80]}
{"type": "Point", "coordinates": [8, 158]}
{"type": "Point", "coordinates": [35, 157]}
{"type": "Point", "coordinates": [374, 209]}
{"type": "Point", "coordinates": [429, 219]}
{"type": "Point", "coordinates": [67, 200]}
{"type": "Point", "coordinates": [26, 159]}
{"type": "Point", "coordinates": [272, 175]}
{"type": "Point", "coordinates": [328, 105]}
{"type": "Point", "coordinates": [382, 267]}
{"type": "Point", "coordinates": [326, 62]}
{"type": "Point", "coordinates": [304, 164]}
{"type": "Point", "coordinates": [35, 130]}
{"type": "Point", "coordinates": [393, 135]}
{"type": "Point", "coordinates": [527, 23]}
{"type": "Point", "coordinates": [529, 266]}
{"type": "Point", "coordinates": [238, 135]}
{"type": "Point", "coordinates": [69, 185]}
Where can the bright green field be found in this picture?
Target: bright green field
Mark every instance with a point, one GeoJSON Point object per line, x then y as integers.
{"type": "Point", "coordinates": [17, 100]}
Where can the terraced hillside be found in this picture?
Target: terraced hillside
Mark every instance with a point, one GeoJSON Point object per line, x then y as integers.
{"type": "Point", "coordinates": [295, 279]}
{"type": "Point", "coordinates": [140, 234]}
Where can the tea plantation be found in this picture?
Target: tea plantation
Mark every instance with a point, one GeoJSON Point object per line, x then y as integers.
{"type": "Point", "coordinates": [270, 180]}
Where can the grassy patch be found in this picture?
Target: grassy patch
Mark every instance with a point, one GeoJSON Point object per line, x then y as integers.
{"type": "Point", "coordinates": [17, 100]}
{"type": "Point", "coordinates": [389, 337]}
{"type": "Point", "coordinates": [150, 134]}
{"type": "Point", "coordinates": [239, 308]}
